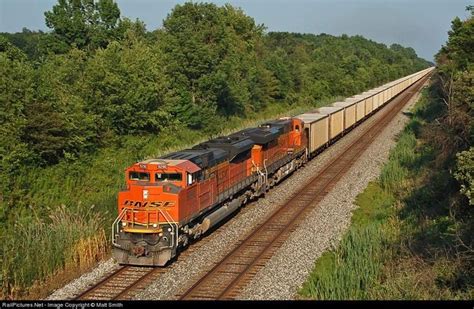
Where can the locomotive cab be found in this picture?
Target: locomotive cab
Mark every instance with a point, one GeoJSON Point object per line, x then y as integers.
{"type": "Point", "coordinates": [146, 230]}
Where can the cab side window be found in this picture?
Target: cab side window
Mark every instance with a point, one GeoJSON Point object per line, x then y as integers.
{"type": "Point", "coordinates": [193, 177]}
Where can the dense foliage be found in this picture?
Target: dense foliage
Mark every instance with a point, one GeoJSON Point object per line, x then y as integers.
{"type": "Point", "coordinates": [97, 81]}
{"type": "Point", "coordinates": [454, 132]}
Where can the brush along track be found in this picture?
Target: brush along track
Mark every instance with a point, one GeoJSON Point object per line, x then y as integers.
{"type": "Point", "coordinates": [228, 277]}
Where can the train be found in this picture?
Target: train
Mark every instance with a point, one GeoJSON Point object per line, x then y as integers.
{"type": "Point", "coordinates": [173, 200]}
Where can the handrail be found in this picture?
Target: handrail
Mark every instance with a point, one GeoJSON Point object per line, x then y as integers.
{"type": "Point", "coordinates": [164, 213]}
{"type": "Point", "coordinates": [170, 221]}
{"type": "Point", "coordinates": [116, 224]}
{"type": "Point", "coordinates": [266, 174]}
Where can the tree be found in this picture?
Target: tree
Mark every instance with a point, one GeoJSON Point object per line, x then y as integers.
{"type": "Point", "coordinates": [84, 23]}
{"type": "Point", "coordinates": [459, 49]}
{"type": "Point", "coordinates": [58, 122]}
{"type": "Point", "coordinates": [27, 41]}
{"type": "Point", "coordinates": [210, 60]}
{"type": "Point", "coordinates": [464, 173]}
{"type": "Point", "coordinates": [127, 79]}
{"type": "Point", "coordinates": [454, 129]}
{"type": "Point", "coordinates": [455, 63]}
{"type": "Point", "coordinates": [16, 91]}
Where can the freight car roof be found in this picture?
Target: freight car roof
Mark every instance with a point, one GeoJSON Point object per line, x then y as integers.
{"type": "Point", "coordinates": [344, 104]}
{"type": "Point", "coordinates": [311, 117]}
{"type": "Point", "coordinates": [355, 100]}
{"type": "Point", "coordinates": [328, 109]}
{"type": "Point", "coordinates": [373, 91]}
{"type": "Point", "coordinates": [359, 96]}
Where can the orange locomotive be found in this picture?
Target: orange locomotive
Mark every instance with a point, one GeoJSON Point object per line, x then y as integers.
{"type": "Point", "coordinates": [180, 196]}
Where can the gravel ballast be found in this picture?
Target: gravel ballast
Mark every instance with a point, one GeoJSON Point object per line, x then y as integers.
{"type": "Point", "coordinates": [82, 283]}
{"type": "Point", "coordinates": [288, 269]}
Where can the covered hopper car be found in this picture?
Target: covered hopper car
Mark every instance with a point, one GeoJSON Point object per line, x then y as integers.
{"type": "Point", "coordinates": [174, 199]}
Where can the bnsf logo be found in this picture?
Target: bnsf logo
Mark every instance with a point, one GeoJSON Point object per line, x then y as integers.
{"type": "Point", "coordinates": [145, 204]}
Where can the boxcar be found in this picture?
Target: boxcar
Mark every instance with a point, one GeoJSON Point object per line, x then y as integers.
{"type": "Point", "coordinates": [372, 101]}
{"type": "Point", "coordinates": [349, 113]}
{"type": "Point", "coordinates": [317, 130]}
{"type": "Point", "coordinates": [336, 119]}
{"type": "Point", "coordinates": [360, 101]}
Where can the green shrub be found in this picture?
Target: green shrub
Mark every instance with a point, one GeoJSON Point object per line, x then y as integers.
{"type": "Point", "coordinates": [352, 268]}
{"type": "Point", "coordinates": [464, 173]}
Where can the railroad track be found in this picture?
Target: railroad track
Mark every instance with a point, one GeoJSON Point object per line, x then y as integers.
{"type": "Point", "coordinates": [232, 274]}
{"type": "Point", "coordinates": [122, 284]}
{"type": "Point", "coordinates": [127, 281]}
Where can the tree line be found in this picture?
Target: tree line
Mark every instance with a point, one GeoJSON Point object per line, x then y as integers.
{"type": "Point", "coordinates": [453, 132]}
{"type": "Point", "coordinates": [97, 75]}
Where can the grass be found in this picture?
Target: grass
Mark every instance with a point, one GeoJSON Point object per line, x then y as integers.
{"type": "Point", "coordinates": [348, 271]}
{"type": "Point", "coordinates": [60, 225]}
{"type": "Point", "coordinates": [402, 241]}
{"type": "Point", "coordinates": [46, 247]}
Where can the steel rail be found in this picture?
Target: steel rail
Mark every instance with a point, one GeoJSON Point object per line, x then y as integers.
{"type": "Point", "coordinates": [123, 283]}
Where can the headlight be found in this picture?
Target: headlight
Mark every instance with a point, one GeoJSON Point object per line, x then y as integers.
{"type": "Point", "coordinates": [145, 194]}
{"type": "Point", "coordinates": [155, 225]}
{"type": "Point", "coordinates": [124, 223]}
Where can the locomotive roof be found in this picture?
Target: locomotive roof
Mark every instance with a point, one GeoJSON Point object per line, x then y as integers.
{"type": "Point", "coordinates": [263, 135]}
{"type": "Point", "coordinates": [232, 144]}
{"type": "Point", "coordinates": [223, 148]}
{"type": "Point", "coordinates": [283, 125]}
{"type": "Point", "coordinates": [183, 164]}
{"type": "Point", "coordinates": [201, 157]}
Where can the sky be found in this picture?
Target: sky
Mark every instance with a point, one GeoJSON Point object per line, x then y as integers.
{"type": "Point", "coordinates": [421, 24]}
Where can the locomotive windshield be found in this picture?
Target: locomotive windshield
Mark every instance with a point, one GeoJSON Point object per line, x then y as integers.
{"type": "Point", "coordinates": [141, 176]}
{"type": "Point", "coordinates": [168, 177]}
